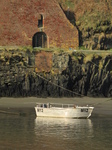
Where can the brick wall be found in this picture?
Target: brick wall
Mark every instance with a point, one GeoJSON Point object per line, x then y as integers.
{"type": "Point", "coordinates": [19, 22]}
{"type": "Point", "coordinates": [43, 61]}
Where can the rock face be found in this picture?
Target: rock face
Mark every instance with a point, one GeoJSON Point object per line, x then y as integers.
{"type": "Point", "coordinates": [19, 24]}
{"type": "Point", "coordinates": [93, 18]}
{"type": "Point", "coordinates": [73, 74]}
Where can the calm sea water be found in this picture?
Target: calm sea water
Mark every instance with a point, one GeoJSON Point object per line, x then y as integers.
{"type": "Point", "coordinates": [30, 133]}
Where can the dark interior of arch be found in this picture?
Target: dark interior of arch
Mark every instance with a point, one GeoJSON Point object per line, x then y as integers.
{"type": "Point", "coordinates": [39, 40]}
{"type": "Point", "coordinates": [40, 21]}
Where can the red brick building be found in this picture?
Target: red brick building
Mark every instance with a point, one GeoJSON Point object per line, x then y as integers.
{"type": "Point", "coordinates": [20, 21]}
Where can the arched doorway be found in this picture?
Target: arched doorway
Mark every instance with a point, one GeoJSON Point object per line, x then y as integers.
{"type": "Point", "coordinates": [39, 40]}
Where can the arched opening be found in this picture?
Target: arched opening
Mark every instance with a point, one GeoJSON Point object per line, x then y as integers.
{"type": "Point", "coordinates": [39, 40]}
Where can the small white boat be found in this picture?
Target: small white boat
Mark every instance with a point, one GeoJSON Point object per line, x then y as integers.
{"type": "Point", "coordinates": [63, 110]}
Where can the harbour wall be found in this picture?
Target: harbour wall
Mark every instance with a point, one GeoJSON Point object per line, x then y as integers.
{"type": "Point", "coordinates": [54, 74]}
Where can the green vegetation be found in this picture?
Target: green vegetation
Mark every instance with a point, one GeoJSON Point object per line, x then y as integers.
{"type": "Point", "coordinates": [36, 49]}
{"type": "Point", "coordinates": [20, 48]}
{"type": "Point", "coordinates": [97, 21]}
{"type": "Point", "coordinates": [92, 18]}
{"type": "Point", "coordinates": [82, 48]}
{"type": "Point", "coordinates": [54, 49]}
{"type": "Point", "coordinates": [67, 3]}
{"type": "Point", "coordinates": [88, 58]}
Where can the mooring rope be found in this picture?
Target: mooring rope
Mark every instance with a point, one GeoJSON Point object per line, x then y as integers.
{"type": "Point", "coordinates": [63, 87]}
{"type": "Point", "coordinates": [59, 86]}
{"type": "Point", "coordinates": [95, 104]}
{"type": "Point", "coordinates": [102, 102]}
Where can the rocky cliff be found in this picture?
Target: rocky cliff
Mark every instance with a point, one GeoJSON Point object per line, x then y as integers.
{"type": "Point", "coordinates": [93, 19]}
{"type": "Point", "coordinates": [24, 73]}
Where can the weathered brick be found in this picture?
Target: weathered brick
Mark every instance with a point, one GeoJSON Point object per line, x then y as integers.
{"type": "Point", "coordinates": [19, 20]}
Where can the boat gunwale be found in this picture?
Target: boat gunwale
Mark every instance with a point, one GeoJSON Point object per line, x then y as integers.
{"type": "Point", "coordinates": [68, 106]}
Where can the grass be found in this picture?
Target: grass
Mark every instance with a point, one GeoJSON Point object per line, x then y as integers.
{"type": "Point", "coordinates": [67, 4]}
{"type": "Point", "coordinates": [88, 58]}
{"type": "Point", "coordinates": [55, 50]}
{"type": "Point", "coordinates": [96, 21]}
{"type": "Point", "coordinates": [20, 48]}
{"type": "Point", "coordinates": [82, 48]}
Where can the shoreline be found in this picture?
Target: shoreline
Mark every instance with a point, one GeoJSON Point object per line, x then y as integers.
{"type": "Point", "coordinates": [102, 106]}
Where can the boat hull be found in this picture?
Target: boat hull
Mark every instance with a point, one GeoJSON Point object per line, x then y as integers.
{"type": "Point", "coordinates": [80, 112]}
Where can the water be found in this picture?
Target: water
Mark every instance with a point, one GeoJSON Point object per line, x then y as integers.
{"type": "Point", "coordinates": [30, 133]}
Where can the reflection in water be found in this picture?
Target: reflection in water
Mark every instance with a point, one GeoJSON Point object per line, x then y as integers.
{"type": "Point", "coordinates": [28, 133]}
{"type": "Point", "coordinates": [63, 128]}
